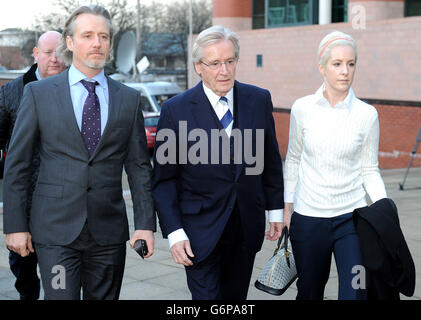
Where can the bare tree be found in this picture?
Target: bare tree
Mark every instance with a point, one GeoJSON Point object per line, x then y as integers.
{"type": "Point", "coordinates": [156, 17]}
{"type": "Point", "coordinates": [177, 22]}
{"type": "Point", "coordinates": [177, 17]}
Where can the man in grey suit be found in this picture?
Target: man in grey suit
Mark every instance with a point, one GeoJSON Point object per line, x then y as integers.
{"type": "Point", "coordinates": [89, 126]}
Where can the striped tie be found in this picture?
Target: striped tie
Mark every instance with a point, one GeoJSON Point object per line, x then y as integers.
{"type": "Point", "coordinates": [227, 118]}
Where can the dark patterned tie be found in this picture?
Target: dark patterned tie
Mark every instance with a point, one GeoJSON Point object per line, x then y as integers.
{"type": "Point", "coordinates": [91, 117]}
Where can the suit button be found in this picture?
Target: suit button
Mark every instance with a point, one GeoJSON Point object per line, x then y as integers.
{"type": "Point", "coordinates": [89, 189]}
{"type": "Point", "coordinates": [90, 163]}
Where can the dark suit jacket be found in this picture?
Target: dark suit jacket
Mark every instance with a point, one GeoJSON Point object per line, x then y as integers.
{"type": "Point", "coordinates": [201, 197]}
{"type": "Point", "coordinates": [73, 186]}
{"type": "Point", "coordinates": [10, 96]}
{"type": "Point", "coordinates": [386, 256]}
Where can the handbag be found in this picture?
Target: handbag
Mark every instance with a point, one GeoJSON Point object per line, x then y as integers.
{"type": "Point", "coordinates": [279, 271]}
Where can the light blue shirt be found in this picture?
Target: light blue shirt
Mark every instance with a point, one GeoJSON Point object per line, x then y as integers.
{"type": "Point", "coordinates": [38, 75]}
{"type": "Point", "coordinates": [78, 93]}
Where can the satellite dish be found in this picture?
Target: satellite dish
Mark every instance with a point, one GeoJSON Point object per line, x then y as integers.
{"type": "Point", "coordinates": [126, 52]}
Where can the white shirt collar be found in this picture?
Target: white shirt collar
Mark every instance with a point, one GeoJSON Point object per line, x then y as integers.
{"type": "Point", "coordinates": [214, 98]}
{"type": "Point", "coordinates": [75, 76]}
{"type": "Point", "coordinates": [347, 103]}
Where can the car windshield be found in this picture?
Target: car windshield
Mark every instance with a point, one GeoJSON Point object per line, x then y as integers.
{"type": "Point", "coordinates": [151, 122]}
{"type": "Point", "coordinates": [161, 98]}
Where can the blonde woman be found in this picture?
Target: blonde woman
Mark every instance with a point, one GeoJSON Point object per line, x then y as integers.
{"type": "Point", "coordinates": [330, 166]}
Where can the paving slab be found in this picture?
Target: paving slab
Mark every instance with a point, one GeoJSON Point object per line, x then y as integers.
{"type": "Point", "coordinates": [159, 278]}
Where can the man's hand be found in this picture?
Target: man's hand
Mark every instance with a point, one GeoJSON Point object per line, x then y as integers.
{"type": "Point", "coordinates": [146, 235]}
{"type": "Point", "coordinates": [275, 231]}
{"type": "Point", "coordinates": [20, 242]}
{"type": "Point", "coordinates": [181, 251]}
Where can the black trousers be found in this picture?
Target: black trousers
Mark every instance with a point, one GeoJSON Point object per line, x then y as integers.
{"type": "Point", "coordinates": [83, 264]}
{"type": "Point", "coordinates": [314, 240]}
{"type": "Point", "coordinates": [225, 274]}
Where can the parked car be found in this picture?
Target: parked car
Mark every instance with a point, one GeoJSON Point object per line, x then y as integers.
{"type": "Point", "coordinates": [151, 122]}
{"type": "Point", "coordinates": [154, 94]}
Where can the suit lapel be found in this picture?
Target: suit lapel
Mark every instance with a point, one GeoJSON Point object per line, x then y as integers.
{"type": "Point", "coordinates": [203, 111]}
{"type": "Point", "coordinates": [244, 116]}
{"type": "Point", "coordinates": [65, 101]}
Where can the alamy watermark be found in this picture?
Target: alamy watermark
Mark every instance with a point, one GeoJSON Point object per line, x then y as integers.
{"type": "Point", "coordinates": [359, 18]}
{"type": "Point", "coordinates": [59, 280]}
{"type": "Point", "coordinates": [238, 152]}
{"type": "Point", "coordinates": [358, 281]}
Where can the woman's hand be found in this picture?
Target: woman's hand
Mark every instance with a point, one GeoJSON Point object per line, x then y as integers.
{"type": "Point", "coordinates": [288, 210]}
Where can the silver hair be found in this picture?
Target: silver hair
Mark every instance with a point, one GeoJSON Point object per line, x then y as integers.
{"type": "Point", "coordinates": [213, 35]}
{"type": "Point", "coordinates": [69, 27]}
{"type": "Point", "coordinates": [331, 40]}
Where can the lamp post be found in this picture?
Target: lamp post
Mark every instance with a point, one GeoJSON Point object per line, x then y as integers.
{"type": "Point", "coordinates": [189, 60]}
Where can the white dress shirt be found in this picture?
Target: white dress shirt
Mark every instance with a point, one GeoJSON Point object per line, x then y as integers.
{"type": "Point", "coordinates": [332, 156]}
{"type": "Point", "coordinates": [220, 110]}
{"type": "Point", "coordinates": [78, 93]}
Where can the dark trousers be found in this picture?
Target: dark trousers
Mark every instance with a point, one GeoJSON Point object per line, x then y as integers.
{"type": "Point", "coordinates": [313, 242]}
{"type": "Point", "coordinates": [25, 270]}
{"type": "Point", "coordinates": [83, 264]}
{"type": "Point", "coordinates": [225, 274]}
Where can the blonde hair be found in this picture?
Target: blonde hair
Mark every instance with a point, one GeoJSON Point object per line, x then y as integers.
{"type": "Point", "coordinates": [331, 40]}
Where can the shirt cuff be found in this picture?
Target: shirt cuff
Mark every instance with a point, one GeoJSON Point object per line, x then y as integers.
{"type": "Point", "coordinates": [276, 215]}
{"type": "Point", "coordinates": [289, 196]}
{"type": "Point", "coordinates": [177, 236]}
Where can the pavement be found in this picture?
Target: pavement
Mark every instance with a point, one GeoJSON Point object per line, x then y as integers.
{"type": "Point", "coordinates": [159, 278]}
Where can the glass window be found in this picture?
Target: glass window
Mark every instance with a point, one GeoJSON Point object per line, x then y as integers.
{"type": "Point", "coordinates": [258, 14]}
{"type": "Point", "coordinates": [161, 98]}
{"type": "Point", "coordinates": [412, 8]}
{"type": "Point", "coordinates": [151, 121]}
{"type": "Point", "coordinates": [259, 61]}
{"type": "Point", "coordinates": [340, 11]}
{"type": "Point", "coordinates": [289, 12]}
{"type": "Point", "coordinates": [146, 106]}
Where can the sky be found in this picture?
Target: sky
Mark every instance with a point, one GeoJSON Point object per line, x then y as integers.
{"type": "Point", "coordinates": [22, 13]}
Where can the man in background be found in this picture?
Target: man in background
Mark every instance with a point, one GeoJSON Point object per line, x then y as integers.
{"type": "Point", "coordinates": [46, 65]}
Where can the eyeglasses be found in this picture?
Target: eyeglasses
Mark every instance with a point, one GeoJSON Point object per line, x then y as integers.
{"type": "Point", "coordinates": [230, 63]}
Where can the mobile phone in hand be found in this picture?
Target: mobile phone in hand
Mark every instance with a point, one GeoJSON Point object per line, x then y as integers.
{"type": "Point", "coordinates": [141, 248]}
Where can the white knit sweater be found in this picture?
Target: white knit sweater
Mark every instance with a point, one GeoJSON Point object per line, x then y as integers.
{"type": "Point", "coordinates": [332, 156]}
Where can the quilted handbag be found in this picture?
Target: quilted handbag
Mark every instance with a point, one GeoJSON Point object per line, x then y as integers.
{"type": "Point", "coordinates": [279, 271]}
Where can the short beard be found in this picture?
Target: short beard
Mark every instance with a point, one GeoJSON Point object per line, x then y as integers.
{"type": "Point", "coordinates": [97, 66]}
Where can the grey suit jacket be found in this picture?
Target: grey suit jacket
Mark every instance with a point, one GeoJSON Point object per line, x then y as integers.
{"type": "Point", "coordinates": [72, 186]}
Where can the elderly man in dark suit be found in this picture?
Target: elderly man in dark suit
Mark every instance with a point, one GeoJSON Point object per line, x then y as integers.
{"type": "Point", "coordinates": [89, 126]}
{"type": "Point", "coordinates": [217, 168]}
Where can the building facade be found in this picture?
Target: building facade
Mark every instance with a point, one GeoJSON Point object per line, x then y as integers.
{"type": "Point", "coordinates": [279, 41]}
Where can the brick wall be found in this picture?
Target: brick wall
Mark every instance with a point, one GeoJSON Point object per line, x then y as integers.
{"type": "Point", "coordinates": [11, 58]}
{"type": "Point", "coordinates": [3, 81]}
{"type": "Point", "coordinates": [377, 9]}
{"type": "Point", "coordinates": [388, 68]}
{"type": "Point", "coordinates": [399, 126]}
